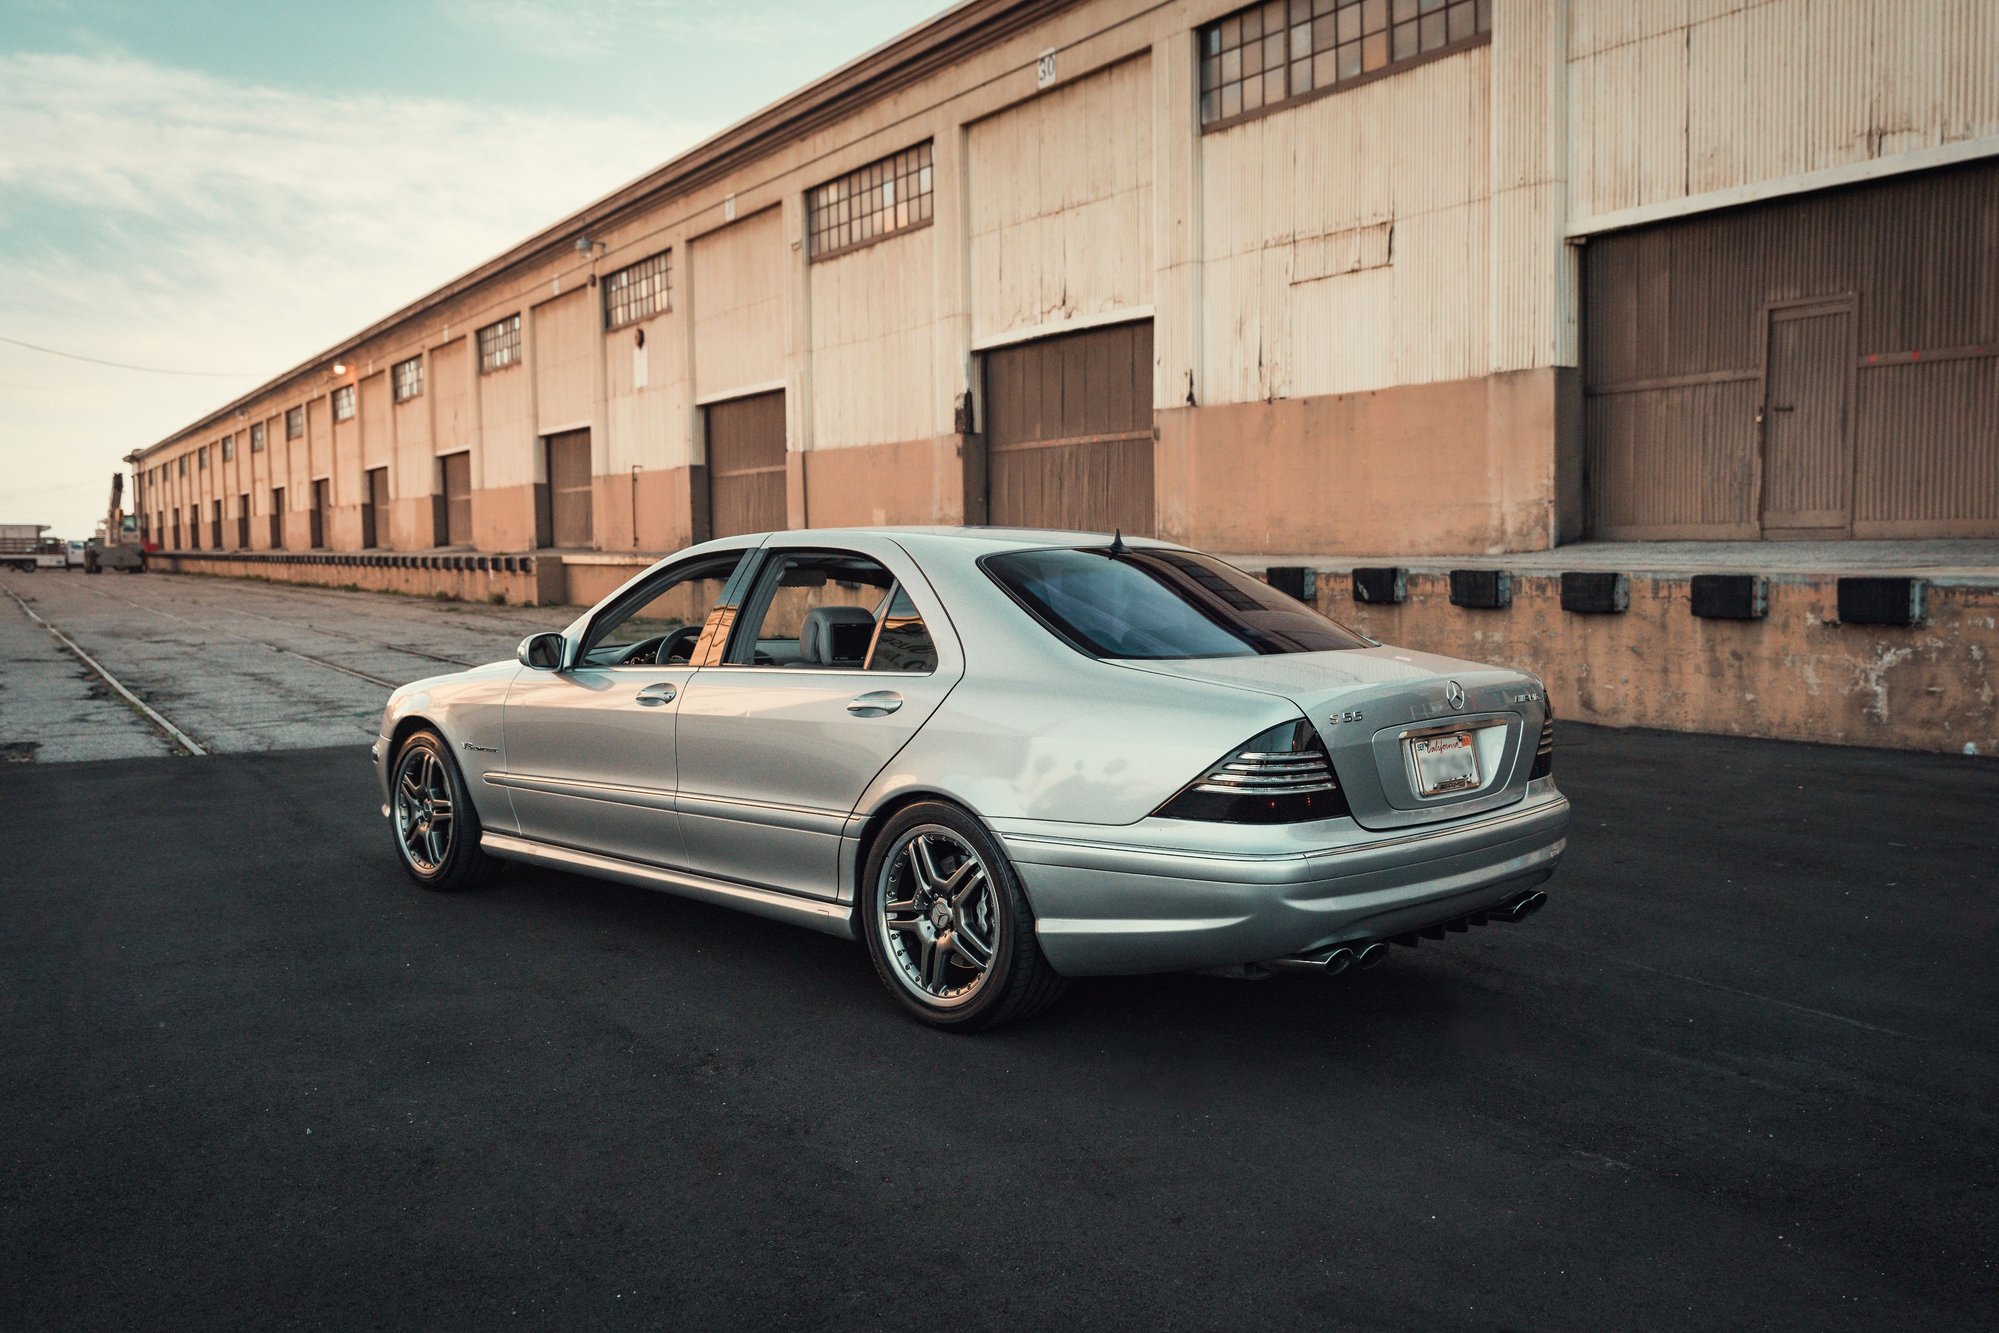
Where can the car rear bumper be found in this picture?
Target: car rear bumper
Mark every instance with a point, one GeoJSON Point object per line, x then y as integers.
{"type": "Point", "coordinates": [1115, 901]}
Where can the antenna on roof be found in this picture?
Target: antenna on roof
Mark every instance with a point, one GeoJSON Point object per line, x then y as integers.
{"type": "Point", "coordinates": [1118, 547]}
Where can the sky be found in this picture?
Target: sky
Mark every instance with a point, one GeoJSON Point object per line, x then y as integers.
{"type": "Point", "coordinates": [222, 190]}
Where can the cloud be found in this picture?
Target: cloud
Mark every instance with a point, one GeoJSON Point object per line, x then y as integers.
{"type": "Point", "coordinates": [589, 29]}
{"type": "Point", "coordinates": [171, 218]}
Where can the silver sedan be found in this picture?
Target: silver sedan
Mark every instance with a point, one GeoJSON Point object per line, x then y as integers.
{"type": "Point", "coordinates": [1000, 758]}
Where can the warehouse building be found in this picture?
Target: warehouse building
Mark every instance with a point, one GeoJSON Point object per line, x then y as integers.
{"type": "Point", "coordinates": [1399, 277]}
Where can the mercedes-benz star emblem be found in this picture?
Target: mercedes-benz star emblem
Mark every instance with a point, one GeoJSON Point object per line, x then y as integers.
{"type": "Point", "coordinates": [1454, 694]}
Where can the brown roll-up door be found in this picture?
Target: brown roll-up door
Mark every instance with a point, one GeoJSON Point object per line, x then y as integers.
{"type": "Point", "coordinates": [320, 504]}
{"type": "Point", "coordinates": [1820, 366]}
{"type": "Point", "coordinates": [570, 519]}
{"type": "Point", "coordinates": [457, 480]}
{"type": "Point", "coordinates": [1069, 440]}
{"type": "Point", "coordinates": [746, 464]}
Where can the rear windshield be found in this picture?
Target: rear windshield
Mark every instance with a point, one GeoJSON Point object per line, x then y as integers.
{"type": "Point", "coordinates": [1144, 602]}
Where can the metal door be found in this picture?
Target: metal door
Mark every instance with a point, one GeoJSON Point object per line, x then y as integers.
{"type": "Point", "coordinates": [1807, 444]}
{"type": "Point", "coordinates": [243, 522]}
{"type": "Point", "coordinates": [457, 500]}
{"type": "Point", "coordinates": [746, 464]}
{"type": "Point", "coordinates": [318, 516]}
{"type": "Point", "coordinates": [277, 518]}
{"type": "Point", "coordinates": [570, 520]}
{"type": "Point", "coordinates": [1069, 440]}
{"type": "Point", "coordinates": [375, 513]}
{"type": "Point", "coordinates": [773, 759]}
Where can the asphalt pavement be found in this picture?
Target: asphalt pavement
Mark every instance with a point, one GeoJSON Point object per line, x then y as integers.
{"type": "Point", "coordinates": [1740, 1073]}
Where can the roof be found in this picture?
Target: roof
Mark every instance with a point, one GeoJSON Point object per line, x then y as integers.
{"type": "Point", "coordinates": [921, 51]}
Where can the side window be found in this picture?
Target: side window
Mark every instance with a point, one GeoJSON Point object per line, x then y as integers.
{"type": "Point", "coordinates": [829, 610]}
{"type": "Point", "coordinates": [659, 623]}
{"type": "Point", "coordinates": [903, 642]}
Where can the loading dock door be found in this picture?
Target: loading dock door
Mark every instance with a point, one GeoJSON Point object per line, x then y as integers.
{"type": "Point", "coordinates": [1069, 439]}
{"type": "Point", "coordinates": [1807, 448]}
{"type": "Point", "coordinates": [571, 523]}
{"type": "Point", "coordinates": [746, 464]}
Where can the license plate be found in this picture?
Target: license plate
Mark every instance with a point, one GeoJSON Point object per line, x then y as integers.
{"type": "Point", "coordinates": [1445, 763]}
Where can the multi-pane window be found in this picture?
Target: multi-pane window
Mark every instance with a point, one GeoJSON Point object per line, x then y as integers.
{"type": "Point", "coordinates": [409, 379]}
{"type": "Point", "coordinates": [1283, 50]}
{"type": "Point", "coordinates": [500, 345]}
{"type": "Point", "coordinates": [343, 402]}
{"type": "Point", "coordinates": [228, 447]}
{"type": "Point", "coordinates": [639, 291]}
{"type": "Point", "coordinates": [295, 423]}
{"type": "Point", "coordinates": [256, 437]}
{"type": "Point", "coordinates": [878, 200]}
{"type": "Point", "coordinates": [180, 469]}
{"type": "Point", "coordinates": [201, 459]}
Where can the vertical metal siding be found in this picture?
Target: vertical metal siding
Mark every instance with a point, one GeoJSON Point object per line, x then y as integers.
{"type": "Point", "coordinates": [569, 490]}
{"type": "Point", "coordinates": [1069, 440]}
{"type": "Point", "coordinates": [746, 464]}
{"type": "Point", "coordinates": [1675, 331]}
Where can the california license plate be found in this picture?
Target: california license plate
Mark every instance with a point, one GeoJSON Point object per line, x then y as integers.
{"type": "Point", "coordinates": [1445, 763]}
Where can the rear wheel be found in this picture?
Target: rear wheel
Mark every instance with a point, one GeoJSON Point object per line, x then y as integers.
{"type": "Point", "coordinates": [947, 924]}
{"type": "Point", "coordinates": [437, 830]}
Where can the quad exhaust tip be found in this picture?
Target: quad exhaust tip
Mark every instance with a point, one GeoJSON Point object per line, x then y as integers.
{"type": "Point", "coordinates": [1374, 952]}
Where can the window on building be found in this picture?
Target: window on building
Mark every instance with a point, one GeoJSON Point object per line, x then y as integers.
{"type": "Point", "coordinates": [500, 345]}
{"type": "Point", "coordinates": [1284, 50]}
{"type": "Point", "coordinates": [409, 379]}
{"type": "Point", "coordinates": [228, 447]}
{"type": "Point", "coordinates": [257, 437]}
{"type": "Point", "coordinates": [343, 403]}
{"type": "Point", "coordinates": [201, 459]}
{"type": "Point", "coordinates": [180, 466]}
{"type": "Point", "coordinates": [879, 200]}
{"type": "Point", "coordinates": [639, 291]}
{"type": "Point", "coordinates": [295, 424]}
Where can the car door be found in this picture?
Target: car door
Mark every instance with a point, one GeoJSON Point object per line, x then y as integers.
{"type": "Point", "coordinates": [590, 747]}
{"type": "Point", "coordinates": [840, 654]}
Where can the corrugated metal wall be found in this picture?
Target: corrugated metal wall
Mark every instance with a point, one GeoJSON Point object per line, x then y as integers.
{"type": "Point", "coordinates": [1694, 96]}
{"type": "Point", "coordinates": [1341, 236]}
{"type": "Point", "coordinates": [875, 308]}
{"type": "Point", "coordinates": [738, 276]}
{"type": "Point", "coordinates": [1060, 204]}
{"type": "Point", "coordinates": [566, 335]}
{"type": "Point", "coordinates": [1677, 337]}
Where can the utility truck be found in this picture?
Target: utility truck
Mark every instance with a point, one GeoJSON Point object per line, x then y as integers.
{"type": "Point", "coordinates": [24, 546]}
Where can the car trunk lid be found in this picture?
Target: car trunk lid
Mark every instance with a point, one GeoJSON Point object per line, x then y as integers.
{"type": "Point", "coordinates": [1414, 737]}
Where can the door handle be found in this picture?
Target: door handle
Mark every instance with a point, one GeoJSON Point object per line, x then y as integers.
{"type": "Point", "coordinates": [877, 703]}
{"type": "Point", "coordinates": [654, 695]}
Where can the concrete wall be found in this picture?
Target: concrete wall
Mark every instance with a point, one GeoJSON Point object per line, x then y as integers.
{"type": "Point", "coordinates": [1798, 674]}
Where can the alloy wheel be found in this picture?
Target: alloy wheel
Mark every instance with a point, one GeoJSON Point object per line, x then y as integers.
{"type": "Point", "coordinates": [425, 816]}
{"type": "Point", "coordinates": [938, 916]}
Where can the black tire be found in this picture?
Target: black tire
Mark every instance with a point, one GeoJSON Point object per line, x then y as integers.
{"type": "Point", "coordinates": [1017, 981]}
{"type": "Point", "coordinates": [458, 863]}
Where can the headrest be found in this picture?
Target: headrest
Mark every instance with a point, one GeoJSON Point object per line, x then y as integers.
{"type": "Point", "coordinates": [820, 643]}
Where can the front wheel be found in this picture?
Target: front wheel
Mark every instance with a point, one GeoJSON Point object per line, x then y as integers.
{"type": "Point", "coordinates": [948, 925]}
{"type": "Point", "coordinates": [437, 830]}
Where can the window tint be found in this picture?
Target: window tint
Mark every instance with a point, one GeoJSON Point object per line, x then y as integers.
{"type": "Point", "coordinates": [1151, 603]}
{"type": "Point", "coordinates": [659, 624]}
{"type": "Point", "coordinates": [832, 610]}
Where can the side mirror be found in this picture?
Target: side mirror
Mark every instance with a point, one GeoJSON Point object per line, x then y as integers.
{"type": "Point", "coordinates": [543, 652]}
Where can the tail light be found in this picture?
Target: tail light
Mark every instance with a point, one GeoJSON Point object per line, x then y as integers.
{"type": "Point", "coordinates": [1282, 776]}
{"type": "Point", "coordinates": [1544, 753]}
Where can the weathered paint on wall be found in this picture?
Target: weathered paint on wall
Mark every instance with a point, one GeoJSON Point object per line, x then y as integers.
{"type": "Point", "coordinates": [1796, 675]}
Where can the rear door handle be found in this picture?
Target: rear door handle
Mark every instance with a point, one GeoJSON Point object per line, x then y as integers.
{"type": "Point", "coordinates": [877, 703]}
{"type": "Point", "coordinates": [654, 695]}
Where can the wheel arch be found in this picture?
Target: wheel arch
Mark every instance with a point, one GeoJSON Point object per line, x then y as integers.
{"type": "Point", "coordinates": [877, 820]}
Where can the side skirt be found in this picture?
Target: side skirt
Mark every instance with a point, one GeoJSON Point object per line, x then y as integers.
{"type": "Point", "coordinates": [830, 918]}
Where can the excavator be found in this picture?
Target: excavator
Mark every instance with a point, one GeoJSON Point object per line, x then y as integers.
{"type": "Point", "coordinates": [114, 548]}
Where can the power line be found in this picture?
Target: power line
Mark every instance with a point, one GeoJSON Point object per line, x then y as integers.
{"type": "Point", "coordinates": [124, 365]}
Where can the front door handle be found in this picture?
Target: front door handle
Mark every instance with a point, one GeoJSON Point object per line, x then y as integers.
{"type": "Point", "coordinates": [654, 695]}
{"type": "Point", "coordinates": [877, 703]}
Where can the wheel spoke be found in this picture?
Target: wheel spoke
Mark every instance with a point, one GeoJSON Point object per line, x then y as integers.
{"type": "Point", "coordinates": [911, 925]}
{"type": "Point", "coordinates": [940, 960]}
{"type": "Point", "coordinates": [920, 861]}
{"type": "Point", "coordinates": [970, 947]}
{"type": "Point", "coordinates": [964, 884]}
{"type": "Point", "coordinates": [410, 788]}
{"type": "Point", "coordinates": [440, 807]}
